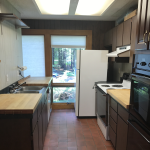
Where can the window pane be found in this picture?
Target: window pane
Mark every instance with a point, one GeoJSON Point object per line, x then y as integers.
{"type": "Point", "coordinates": [33, 55]}
{"type": "Point", "coordinates": [64, 94]}
{"type": "Point", "coordinates": [64, 64]}
{"type": "Point", "coordinates": [60, 41]}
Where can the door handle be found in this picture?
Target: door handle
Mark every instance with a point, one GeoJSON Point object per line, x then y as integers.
{"type": "Point", "coordinates": [144, 37]}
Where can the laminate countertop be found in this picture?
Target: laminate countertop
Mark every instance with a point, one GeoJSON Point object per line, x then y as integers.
{"type": "Point", "coordinates": [122, 96]}
{"type": "Point", "coordinates": [37, 81]}
{"type": "Point", "coordinates": [19, 103]}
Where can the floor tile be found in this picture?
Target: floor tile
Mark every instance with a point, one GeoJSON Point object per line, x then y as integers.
{"type": "Point", "coordinates": [67, 132]}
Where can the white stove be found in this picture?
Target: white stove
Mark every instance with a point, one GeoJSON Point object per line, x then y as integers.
{"type": "Point", "coordinates": [102, 102]}
{"type": "Point", "coordinates": [124, 85]}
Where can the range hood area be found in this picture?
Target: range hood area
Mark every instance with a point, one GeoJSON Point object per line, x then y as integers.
{"type": "Point", "coordinates": [121, 52]}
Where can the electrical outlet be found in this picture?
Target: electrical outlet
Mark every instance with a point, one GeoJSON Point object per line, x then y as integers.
{"type": "Point", "coordinates": [18, 73]}
{"type": "Point", "coordinates": [7, 79]}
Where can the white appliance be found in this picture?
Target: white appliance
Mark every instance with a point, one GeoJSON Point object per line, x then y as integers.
{"type": "Point", "coordinates": [103, 104]}
{"type": "Point", "coordinates": [91, 66]}
{"type": "Point", "coordinates": [123, 51]}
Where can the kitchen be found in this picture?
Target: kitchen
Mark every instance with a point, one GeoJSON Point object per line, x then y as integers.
{"type": "Point", "coordinates": [33, 119]}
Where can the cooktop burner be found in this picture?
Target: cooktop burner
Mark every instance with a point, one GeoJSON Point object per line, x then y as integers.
{"type": "Point", "coordinates": [117, 86]}
{"type": "Point", "coordinates": [105, 86]}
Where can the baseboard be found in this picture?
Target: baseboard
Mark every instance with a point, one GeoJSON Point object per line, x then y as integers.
{"type": "Point", "coordinates": [62, 106]}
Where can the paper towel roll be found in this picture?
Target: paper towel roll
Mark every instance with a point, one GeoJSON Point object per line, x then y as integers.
{"type": "Point", "coordinates": [23, 68]}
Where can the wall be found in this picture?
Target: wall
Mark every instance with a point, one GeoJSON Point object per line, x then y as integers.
{"type": "Point", "coordinates": [116, 70]}
{"type": "Point", "coordinates": [99, 28]}
{"type": "Point", "coordinates": [10, 48]}
{"type": "Point", "coordinates": [6, 7]}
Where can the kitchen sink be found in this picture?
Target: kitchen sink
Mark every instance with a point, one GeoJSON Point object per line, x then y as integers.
{"type": "Point", "coordinates": [29, 89]}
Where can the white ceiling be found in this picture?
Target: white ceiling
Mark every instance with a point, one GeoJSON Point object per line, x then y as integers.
{"type": "Point", "coordinates": [29, 10]}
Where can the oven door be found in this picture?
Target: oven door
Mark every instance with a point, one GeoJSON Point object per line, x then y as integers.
{"type": "Point", "coordinates": [138, 136]}
{"type": "Point", "coordinates": [140, 98]}
{"type": "Point", "coordinates": [102, 106]}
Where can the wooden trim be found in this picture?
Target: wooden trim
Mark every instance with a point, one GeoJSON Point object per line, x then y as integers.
{"type": "Point", "coordinates": [63, 84]}
{"type": "Point", "coordinates": [23, 80]}
{"type": "Point", "coordinates": [62, 106]}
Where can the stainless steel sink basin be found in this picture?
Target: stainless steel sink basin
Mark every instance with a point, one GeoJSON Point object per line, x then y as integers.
{"type": "Point", "coordinates": [30, 89]}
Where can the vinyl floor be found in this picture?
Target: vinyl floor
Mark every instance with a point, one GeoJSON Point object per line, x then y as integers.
{"type": "Point", "coordinates": [67, 132]}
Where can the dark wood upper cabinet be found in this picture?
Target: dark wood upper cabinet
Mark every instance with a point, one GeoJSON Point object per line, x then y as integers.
{"type": "Point", "coordinates": [114, 39]}
{"type": "Point", "coordinates": [142, 25]}
{"type": "Point", "coordinates": [108, 38]}
{"type": "Point", "coordinates": [120, 35]}
{"type": "Point", "coordinates": [127, 32]}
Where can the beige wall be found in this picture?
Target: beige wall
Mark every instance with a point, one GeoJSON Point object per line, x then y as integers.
{"type": "Point", "coordinates": [10, 49]}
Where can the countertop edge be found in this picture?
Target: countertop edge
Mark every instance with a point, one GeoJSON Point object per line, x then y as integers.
{"type": "Point", "coordinates": [126, 106]}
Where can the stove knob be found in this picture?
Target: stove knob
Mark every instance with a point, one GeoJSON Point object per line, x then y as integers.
{"type": "Point", "coordinates": [143, 64]}
{"type": "Point", "coordinates": [149, 65]}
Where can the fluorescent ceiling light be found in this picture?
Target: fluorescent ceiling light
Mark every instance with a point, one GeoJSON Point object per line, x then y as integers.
{"type": "Point", "coordinates": [92, 7]}
{"type": "Point", "coordinates": [53, 7]}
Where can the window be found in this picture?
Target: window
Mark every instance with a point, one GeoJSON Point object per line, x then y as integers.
{"type": "Point", "coordinates": [64, 64]}
{"type": "Point", "coordinates": [64, 50]}
{"type": "Point", "coordinates": [33, 55]}
{"type": "Point", "coordinates": [64, 94]}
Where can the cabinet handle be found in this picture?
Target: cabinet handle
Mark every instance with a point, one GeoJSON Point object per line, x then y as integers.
{"type": "Point", "coordinates": [144, 37]}
{"type": "Point", "coordinates": [148, 37]}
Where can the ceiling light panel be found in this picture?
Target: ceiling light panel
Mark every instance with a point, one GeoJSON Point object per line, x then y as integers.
{"type": "Point", "coordinates": [92, 7]}
{"type": "Point", "coordinates": [53, 7]}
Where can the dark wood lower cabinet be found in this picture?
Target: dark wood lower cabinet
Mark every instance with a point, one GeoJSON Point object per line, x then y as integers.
{"type": "Point", "coordinates": [40, 131]}
{"type": "Point", "coordinates": [112, 136]}
{"type": "Point", "coordinates": [122, 133]}
{"type": "Point", "coordinates": [24, 131]}
{"type": "Point", "coordinates": [118, 125]}
{"type": "Point", "coordinates": [36, 138]}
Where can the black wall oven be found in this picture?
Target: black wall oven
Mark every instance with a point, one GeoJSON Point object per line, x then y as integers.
{"type": "Point", "coordinates": [139, 120]}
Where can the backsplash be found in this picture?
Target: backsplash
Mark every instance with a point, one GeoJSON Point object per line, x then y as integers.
{"type": "Point", "coordinates": [116, 70]}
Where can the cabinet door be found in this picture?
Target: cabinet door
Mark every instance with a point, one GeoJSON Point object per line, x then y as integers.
{"type": "Point", "coordinates": [108, 38]}
{"type": "Point", "coordinates": [40, 131]}
{"type": "Point", "coordinates": [36, 138]}
{"type": "Point", "coordinates": [142, 26]}
{"type": "Point", "coordinates": [120, 34]}
{"type": "Point", "coordinates": [122, 131]}
{"type": "Point", "coordinates": [114, 41]}
{"type": "Point", "coordinates": [127, 32]}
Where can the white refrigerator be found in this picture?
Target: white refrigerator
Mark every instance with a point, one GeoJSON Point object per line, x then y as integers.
{"type": "Point", "coordinates": [91, 66]}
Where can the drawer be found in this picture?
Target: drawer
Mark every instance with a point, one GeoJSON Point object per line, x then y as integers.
{"type": "Point", "coordinates": [113, 114]}
{"type": "Point", "coordinates": [112, 136]}
{"type": "Point", "coordinates": [113, 104]}
{"type": "Point", "coordinates": [112, 124]}
{"type": "Point", "coordinates": [123, 113]}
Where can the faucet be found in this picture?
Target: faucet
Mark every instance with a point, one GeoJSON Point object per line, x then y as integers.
{"type": "Point", "coordinates": [14, 87]}
{"type": "Point", "coordinates": [19, 85]}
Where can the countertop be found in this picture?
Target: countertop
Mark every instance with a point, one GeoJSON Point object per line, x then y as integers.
{"type": "Point", "coordinates": [122, 96]}
{"type": "Point", "coordinates": [37, 81]}
{"type": "Point", "coordinates": [19, 103]}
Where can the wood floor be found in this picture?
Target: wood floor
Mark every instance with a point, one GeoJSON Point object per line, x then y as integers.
{"type": "Point", "coordinates": [67, 132]}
